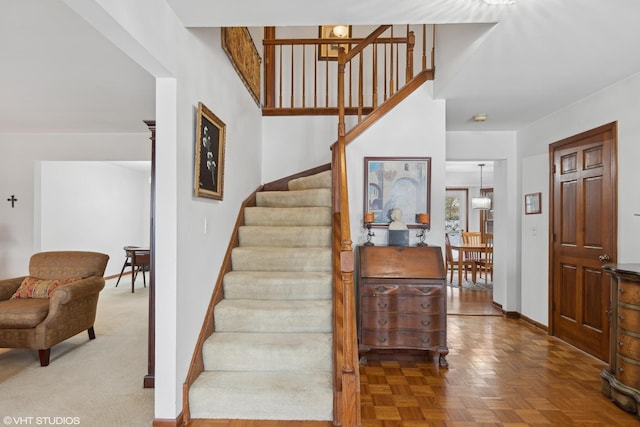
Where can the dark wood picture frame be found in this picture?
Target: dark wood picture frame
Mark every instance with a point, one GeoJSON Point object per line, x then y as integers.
{"type": "Point", "coordinates": [397, 182]}
{"type": "Point", "coordinates": [209, 155]}
{"type": "Point", "coordinates": [532, 203]}
{"type": "Point", "coordinates": [330, 51]}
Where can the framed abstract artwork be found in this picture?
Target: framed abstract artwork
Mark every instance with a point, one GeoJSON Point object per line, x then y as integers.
{"type": "Point", "coordinates": [397, 182]}
{"type": "Point", "coordinates": [209, 154]}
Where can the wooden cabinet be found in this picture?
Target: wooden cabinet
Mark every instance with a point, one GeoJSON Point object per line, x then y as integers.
{"type": "Point", "coordinates": [621, 379]}
{"type": "Point", "coordinates": [402, 299]}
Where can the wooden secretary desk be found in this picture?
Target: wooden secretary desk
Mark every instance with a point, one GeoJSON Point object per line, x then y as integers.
{"type": "Point", "coordinates": [402, 299]}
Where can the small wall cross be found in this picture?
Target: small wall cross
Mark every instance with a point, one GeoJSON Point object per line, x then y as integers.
{"type": "Point", "coordinates": [13, 200]}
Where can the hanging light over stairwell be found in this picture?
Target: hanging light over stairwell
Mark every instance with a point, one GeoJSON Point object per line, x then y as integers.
{"type": "Point", "coordinates": [482, 202]}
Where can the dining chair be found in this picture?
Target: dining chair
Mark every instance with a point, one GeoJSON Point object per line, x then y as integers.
{"type": "Point", "coordinates": [473, 238]}
{"type": "Point", "coordinates": [452, 261]}
{"type": "Point", "coordinates": [486, 263]}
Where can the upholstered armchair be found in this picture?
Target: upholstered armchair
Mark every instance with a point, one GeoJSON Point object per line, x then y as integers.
{"type": "Point", "coordinates": [56, 301]}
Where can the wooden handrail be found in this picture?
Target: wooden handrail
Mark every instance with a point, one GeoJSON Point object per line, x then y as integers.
{"type": "Point", "coordinates": [350, 41]}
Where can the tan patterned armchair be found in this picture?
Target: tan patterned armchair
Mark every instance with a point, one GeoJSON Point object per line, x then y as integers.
{"type": "Point", "coordinates": [56, 301]}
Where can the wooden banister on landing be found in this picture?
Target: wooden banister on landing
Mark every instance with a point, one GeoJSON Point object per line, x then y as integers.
{"type": "Point", "coordinates": [300, 80]}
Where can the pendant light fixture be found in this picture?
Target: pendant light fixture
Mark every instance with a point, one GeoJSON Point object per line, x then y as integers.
{"type": "Point", "coordinates": [482, 202]}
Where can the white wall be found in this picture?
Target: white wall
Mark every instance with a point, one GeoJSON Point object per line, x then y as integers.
{"type": "Point", "coordinates": [190, 66]}
{"type": "Point", "coordinates": [501, 148]}
{"type": "Point", "coordinates": [618, 102]}
{"type": "Point", "coordinates": [535, 241]}
{"type": "Point", "coordinates": [296, 143]}
{"type": "Point", "coordinates": [93, 206]}
{"type": "Point", "coordinates": [415, 128]}
{"type": "Point", "coordinates": [19, 230]}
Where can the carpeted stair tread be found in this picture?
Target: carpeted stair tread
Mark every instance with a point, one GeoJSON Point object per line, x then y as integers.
{"type": "Point", "coordinates": [292, 237]}
{"type": "Point", "coordinates": [271, 354]}
{"type": "Point", "coordinates": [262, 395]}
{"type": "Point", "coordinates": [277, 285]}
{"type": "Point", "coordinates": [273, 316]}
{"type": "Point", "coordinates": [310, 216]}
{"type": "Point", "coordinates": [233, 351]}
{"type": "Point", "coordinates": [319, 180]}
{"type": "Point", "coordinates": [280, 259]}
{"type": "Point", "coordinates": [299, 198]}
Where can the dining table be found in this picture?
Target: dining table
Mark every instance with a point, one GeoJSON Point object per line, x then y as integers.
{"type": "Point", "coordinates": [468, 248]}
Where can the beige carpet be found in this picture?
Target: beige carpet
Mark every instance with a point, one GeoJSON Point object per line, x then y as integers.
{"type": "Point", "coordinates": [96, 383]}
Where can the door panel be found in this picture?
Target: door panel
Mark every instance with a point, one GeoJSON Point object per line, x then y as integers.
{"type": "Point", "coordinates": [583, 228]}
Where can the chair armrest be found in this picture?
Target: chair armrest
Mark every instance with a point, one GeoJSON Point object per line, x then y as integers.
{"type": "Point", "coordinates": [76, 290]}
{"type": "Point", "coordinates": [68, 298]}
{"type": "Point", "coordinates": [9, 286]}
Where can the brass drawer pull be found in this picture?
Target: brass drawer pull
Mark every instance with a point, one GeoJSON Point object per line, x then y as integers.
{"type": "Point", "coordinates": [382, 304]}
{"type": "Point", "coordinates": [620, 370]}
{"type": "Point", "coordinates": [621, 317]}
{"type": "Point", "coordinates": [382, 289]}
{"type": "Point", "coordinates": [425, 322]}
{"type": "Point", "coordinates": [425, 306]}
{"type": "Point", "coordinates": [382, 339]}
{"type": "Point", "coordinates": [427, 341]}
{"type": "Point", "coordinates": [425, 290]}
{"type": "Point", "coordinates": [382, 322]}
{"type": "Point", "coordinates": [621, 290]}
{"type": "Point", "coordinates": [620, 343]}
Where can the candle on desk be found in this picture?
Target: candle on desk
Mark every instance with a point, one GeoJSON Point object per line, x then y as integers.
{"type": "Point", "coordinates": [423, 218]}
{"type": "Point", "coordinates": [368, 217]}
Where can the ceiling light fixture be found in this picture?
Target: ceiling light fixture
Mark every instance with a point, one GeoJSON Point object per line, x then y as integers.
{"type": "Point", "coordinates": [482, 202]}
{"type": "Point", "coordinates": [341, 31]}
{"type": "Point", "coordinates": [479, 117]}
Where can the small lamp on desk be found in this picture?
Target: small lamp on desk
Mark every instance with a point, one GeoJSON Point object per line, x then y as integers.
{"type": "Point", "coordinates": [368, 219]}
{"type": "Point", "coordinates": [423, 220]}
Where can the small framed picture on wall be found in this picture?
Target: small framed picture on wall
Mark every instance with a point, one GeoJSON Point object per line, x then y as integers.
{"type": "Point", "coordinates": [532, 203]}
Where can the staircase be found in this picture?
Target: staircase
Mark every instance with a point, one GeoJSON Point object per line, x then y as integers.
{"type": "Point", "coordinates": [270, 356]}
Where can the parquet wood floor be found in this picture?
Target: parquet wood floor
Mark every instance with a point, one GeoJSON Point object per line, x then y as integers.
{"type": "Point", "coordinates": [502, 372]}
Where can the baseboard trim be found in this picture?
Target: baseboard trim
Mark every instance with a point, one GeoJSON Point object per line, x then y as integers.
{"type": "Point", "coordinates": [507, 314]}
{"type": "Point", "coordinates": [516, 315]}
{"type": "Point", "coordinates": [535, 324]}
{"type": "Point", "coordinates": [178, 422]}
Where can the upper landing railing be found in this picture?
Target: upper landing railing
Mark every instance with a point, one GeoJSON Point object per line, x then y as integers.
{"type": "Point", "coordinates": [300, 74]}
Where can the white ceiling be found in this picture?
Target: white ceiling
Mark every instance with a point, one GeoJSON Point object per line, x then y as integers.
{"type": "Point", "coordinates": [58, 74]}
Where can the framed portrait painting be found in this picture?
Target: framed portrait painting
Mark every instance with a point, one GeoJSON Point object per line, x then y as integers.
{"type": "Point", "coordinates": [397, 182]}
{"type": "Point", "coordinates": [209, 155]}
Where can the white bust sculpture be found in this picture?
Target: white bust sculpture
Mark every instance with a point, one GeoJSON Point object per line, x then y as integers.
{"type": "Point", "coordinates": [396, 220]}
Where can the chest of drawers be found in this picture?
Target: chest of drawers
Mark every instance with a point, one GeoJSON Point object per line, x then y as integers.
{"type": "Point", "coordinates": [621, 379]}
{"type": "Point", "coordinates": [402, 299]}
